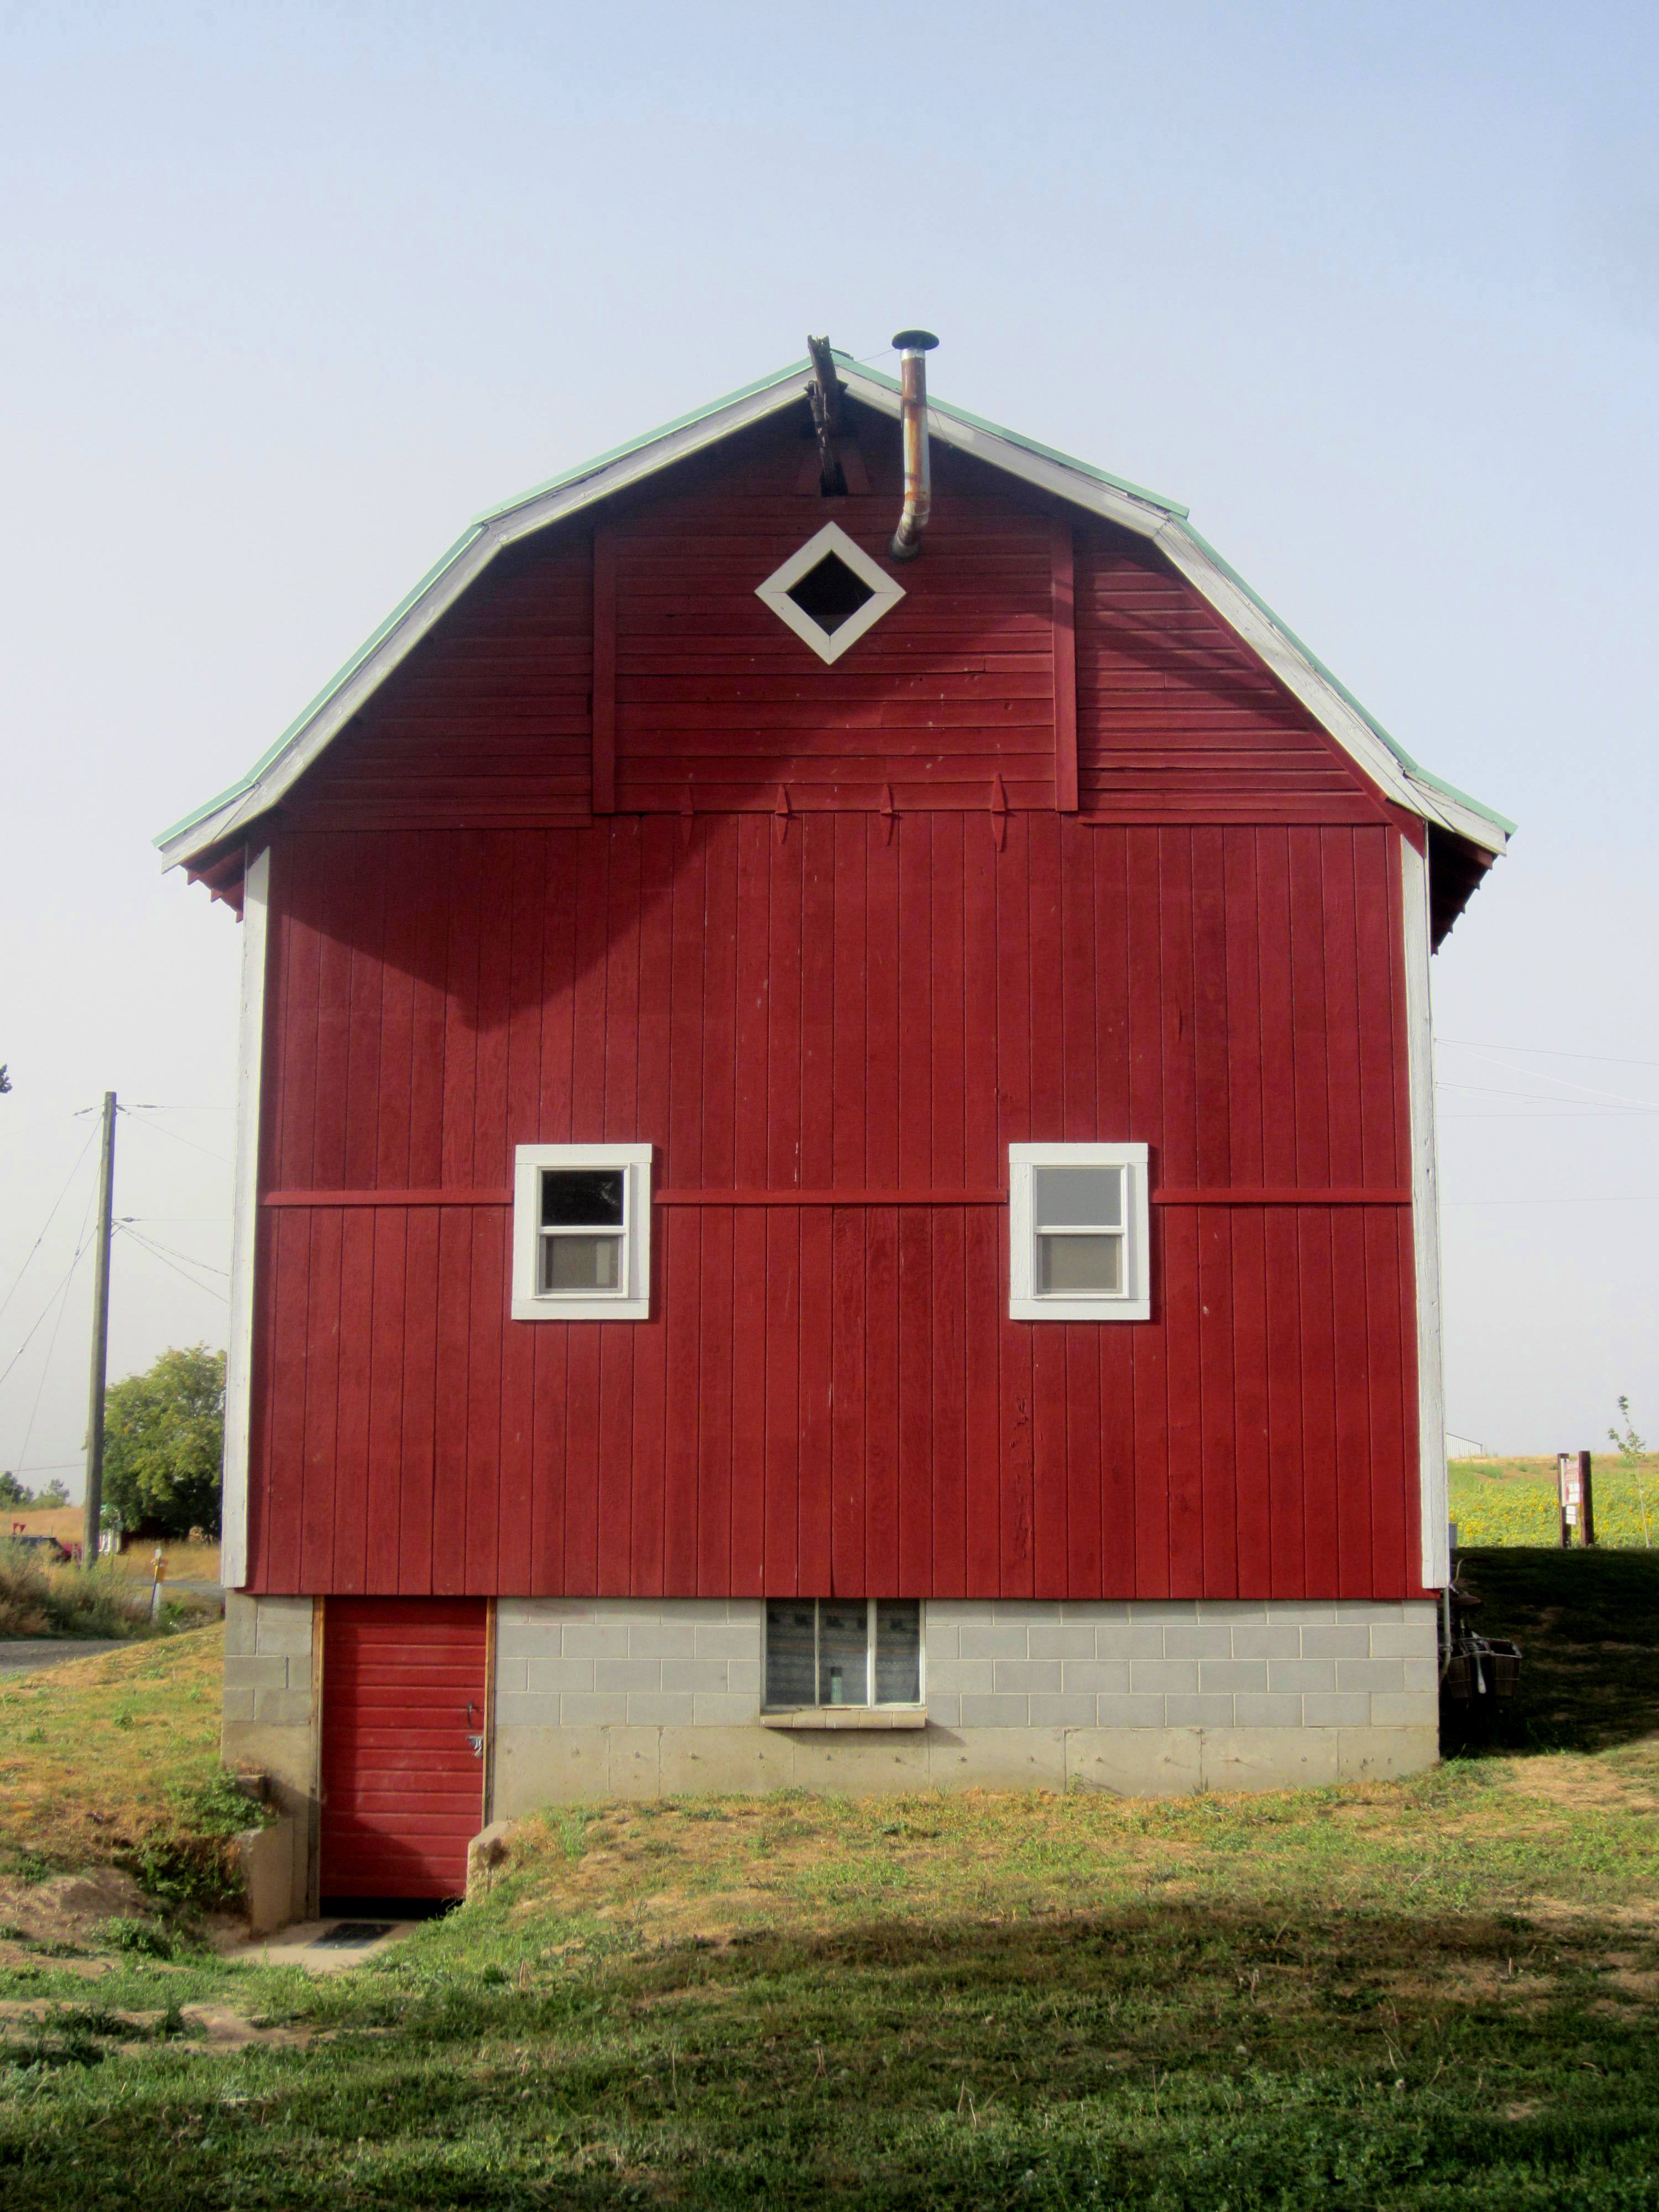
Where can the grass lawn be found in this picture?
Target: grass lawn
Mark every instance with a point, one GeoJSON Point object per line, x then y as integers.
{"type": "Point", "coordinates": [1432, 1993]}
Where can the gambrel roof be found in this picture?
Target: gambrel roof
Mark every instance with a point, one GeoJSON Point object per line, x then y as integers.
{"type": "Point", "coordinates": [210, 829]}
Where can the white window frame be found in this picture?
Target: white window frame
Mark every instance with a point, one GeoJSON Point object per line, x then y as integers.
{"type": "Point", "coordinates": [1133, 1302]}
{"type": "Point", "coordinates": [868, 1704]}
{"type": "Point", "coordinates": [631, 1299]}
{"type": "Point", "coordinates": [829, 645]}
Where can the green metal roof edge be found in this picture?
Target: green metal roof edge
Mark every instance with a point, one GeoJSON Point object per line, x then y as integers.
{"type": "Point", "coordinates": [637, 445]}
{"type": "Point", "coordinates": [1413, 767]}
{"type": "Point", "coordinates": [1028, 445]}
{"type": "Point", "coordinates": [273, 752]}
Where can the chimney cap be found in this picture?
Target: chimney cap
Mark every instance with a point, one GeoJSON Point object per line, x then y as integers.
{"type": "Point", "coordinates": [915, 341]}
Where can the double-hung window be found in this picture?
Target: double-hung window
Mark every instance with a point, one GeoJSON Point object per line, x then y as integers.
{"type": "Point", "coordinates": [1078, 1223]}
{"type": "Point", "coordinates": [842, 1651]}
{"type": "Point", "coordinates": [581, 1232]}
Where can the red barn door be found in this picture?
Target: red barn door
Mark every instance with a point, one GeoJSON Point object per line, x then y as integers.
{"type": "Point", "coordinates": [404, 1682]}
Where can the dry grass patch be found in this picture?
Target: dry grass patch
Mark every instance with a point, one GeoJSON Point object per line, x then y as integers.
{"type": "Point", "coordinates": [94, 1754]}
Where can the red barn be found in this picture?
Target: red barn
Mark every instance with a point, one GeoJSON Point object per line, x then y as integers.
{"type": "Point", "coordinates": [837, 1181]}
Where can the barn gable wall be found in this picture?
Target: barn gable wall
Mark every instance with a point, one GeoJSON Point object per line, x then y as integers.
{"type": "Point", "coordinates": [967, 696]}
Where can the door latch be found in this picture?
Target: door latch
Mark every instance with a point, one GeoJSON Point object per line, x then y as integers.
{"type": "Point", "coordinates": [477, 1742]}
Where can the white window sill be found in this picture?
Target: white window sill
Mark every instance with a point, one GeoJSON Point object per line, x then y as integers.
{"type": "Point", "coordinates": [845, 1716]}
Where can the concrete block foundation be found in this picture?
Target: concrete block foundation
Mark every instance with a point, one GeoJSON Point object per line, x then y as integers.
{"type": "Point", "coordinates": [629, 1698]}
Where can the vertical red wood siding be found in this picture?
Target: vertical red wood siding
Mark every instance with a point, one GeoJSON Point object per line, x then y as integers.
{"type": "Point", "coordinates": [403, 1693]}
{"type": "Point", "coordinates": [832, 1398]}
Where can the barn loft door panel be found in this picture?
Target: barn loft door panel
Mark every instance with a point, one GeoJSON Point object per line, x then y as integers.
{"type": "Point", "coordinates": [405, 1689]}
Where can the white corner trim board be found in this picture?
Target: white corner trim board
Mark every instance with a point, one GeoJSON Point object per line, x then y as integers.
{"type": "Point", "coordinates": [245, 1224]}
{"type": "Point", "coordinates": [1432, 1494]}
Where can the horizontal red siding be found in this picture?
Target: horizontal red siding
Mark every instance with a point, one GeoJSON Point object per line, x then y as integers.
{"type": "Point", "coordinates": [488, 720]}
{"type": "Point", "coordinates": [718, 698]}
{"type": "Point", "coordinates": [830, 1396]}
{"type": "Point", "coordinates": [1177, 718]}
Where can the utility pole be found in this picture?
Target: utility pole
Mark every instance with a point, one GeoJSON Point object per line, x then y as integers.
{"type": "Point", "coordinates": [99, 1338]}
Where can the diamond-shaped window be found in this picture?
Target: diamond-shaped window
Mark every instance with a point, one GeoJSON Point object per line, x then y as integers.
{"type": "Point", "coordinates": [830, 592]}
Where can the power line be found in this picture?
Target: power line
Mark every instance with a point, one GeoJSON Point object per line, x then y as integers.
{"type": "Point", "coordinates": [172, 1137]}
{"type": "Point", "coordinates": [46, 1310]}
{"type": "Point", "coordinates": [1548, 1052]}
{"type": "Point", "coordinates": [63, 1308]}
{"type": "Point", "coordinates": [1551, 1114]}
{"type": "Point", "coordinates": [1590, 1198]}
{"type": "Point", "coordinates": [1565, 1083]}
{"type": "Point", "coordinates": [51, 1217]}
{"type": "Point", "coordinates": [155, 1252]}
{"type": "Point", "coordinates": [126, 1220]}
{"type": "Point", "coordinates": [1636, 1106]}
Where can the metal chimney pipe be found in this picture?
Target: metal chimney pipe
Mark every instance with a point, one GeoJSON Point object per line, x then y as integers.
{"type": "Point", "coordinates": [913, 346]}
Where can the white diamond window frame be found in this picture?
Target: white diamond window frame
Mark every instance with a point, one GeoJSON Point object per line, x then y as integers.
{"type": "Point", "coordinates": [829, 645]}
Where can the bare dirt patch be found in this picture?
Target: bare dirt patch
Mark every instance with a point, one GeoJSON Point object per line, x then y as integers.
{"type": "Point", "coordinates": [67, 1909]}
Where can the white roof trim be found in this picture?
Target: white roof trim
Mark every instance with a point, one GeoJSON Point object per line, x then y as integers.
{"type": "Point", "coordinates": [1243, 614]}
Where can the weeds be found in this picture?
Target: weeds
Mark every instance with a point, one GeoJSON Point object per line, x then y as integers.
{"type": "Point", "coordinates": [36, 1601]}
{"type": "Point", "coordinates": [135, 1938]}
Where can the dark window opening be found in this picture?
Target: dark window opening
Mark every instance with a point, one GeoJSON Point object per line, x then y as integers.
{"type": "Point", "coordinates": [581, 1198]}
{"type": "Point", "coordinates": [830, 593]}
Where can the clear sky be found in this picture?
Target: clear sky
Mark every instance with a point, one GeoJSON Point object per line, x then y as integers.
{"type": "Point", "coordinates": [290, 293]}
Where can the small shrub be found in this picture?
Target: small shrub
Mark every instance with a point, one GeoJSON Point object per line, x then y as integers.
{"type": "Point", "coordinates": [193, 1866]}
{"type": "Point", "coordinates": [138, 1938]}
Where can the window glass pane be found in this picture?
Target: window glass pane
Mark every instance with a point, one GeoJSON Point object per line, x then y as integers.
{"type": "Point", "coordinates": [789, 1652]}
{"type": "Point", "coordinates": [898, 1651]}
{"type": "Point", "coordinates": [843, 1637]}
{"type": "Point", "coordinates": [1079, 1264]}
{"type": "Point", "coordinates": [1081, 1198]}
{"type": "Point", "coordinates": [582, 1263]}
{"type": "Point", "coordinates": [582, 1198]}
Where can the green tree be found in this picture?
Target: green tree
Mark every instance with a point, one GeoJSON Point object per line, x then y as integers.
{"type": "Point", "coordinates": [13, 1492]}
{"type": "Point", "coordinates": [164, 1444]}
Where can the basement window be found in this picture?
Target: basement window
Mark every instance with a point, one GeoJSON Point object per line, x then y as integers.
{"type": "Point", "coordinates": [842, 1651]}
{"type": "Point", "coordinates": [581, 1232]}
{"type": "Point", "coordinates": [1077, 1230]}
{"type": "Point", "coordinates": [830, 592]}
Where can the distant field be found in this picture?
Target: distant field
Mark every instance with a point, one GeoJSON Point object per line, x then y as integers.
{"type": "Point", "coordinates": [1512, 1501]}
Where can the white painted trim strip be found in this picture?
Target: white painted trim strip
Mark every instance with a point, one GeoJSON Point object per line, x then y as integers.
{"type": "Point", "coordinates": [245, 1223]}
{"type": "Point", "coordinates": [1433, 1495]}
